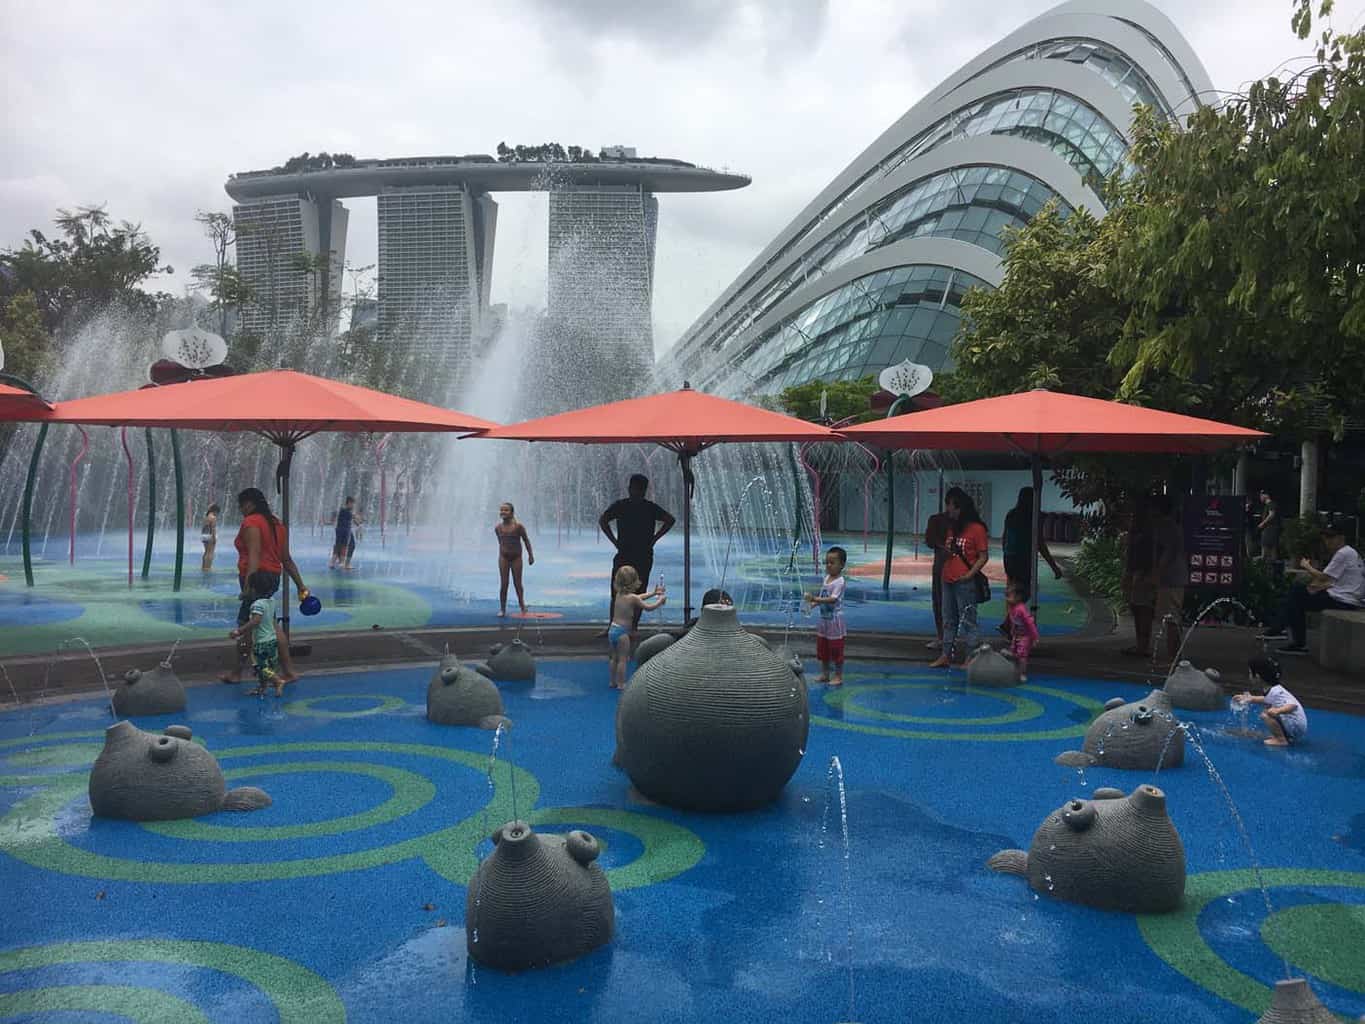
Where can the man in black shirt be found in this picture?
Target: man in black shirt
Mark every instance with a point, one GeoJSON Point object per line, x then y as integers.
{"type": "Point", "coordinates": [635, 534]}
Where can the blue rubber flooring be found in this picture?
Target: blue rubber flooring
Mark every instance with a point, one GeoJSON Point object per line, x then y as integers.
{"type": "Point", "coordinates": [345, 899]}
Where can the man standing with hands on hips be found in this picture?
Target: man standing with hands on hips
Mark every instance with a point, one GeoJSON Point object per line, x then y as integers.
{"type": "Point", "coordinates": [635, 517]}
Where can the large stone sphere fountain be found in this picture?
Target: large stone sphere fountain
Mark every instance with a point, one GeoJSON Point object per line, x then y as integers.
{"type": "Point", "coordinates": [538, 899]}
{"type": "Point", "coordinates": [716, 722]}
{"type": "Point", "coordinates": [1112, 852]}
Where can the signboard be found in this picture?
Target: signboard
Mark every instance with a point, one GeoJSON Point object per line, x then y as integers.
{"type": "Point", "coordinates": [1213, 542]}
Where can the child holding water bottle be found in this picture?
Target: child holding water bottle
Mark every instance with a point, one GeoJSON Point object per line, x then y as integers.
{"type": "Point", "coordinates": [830, 630]}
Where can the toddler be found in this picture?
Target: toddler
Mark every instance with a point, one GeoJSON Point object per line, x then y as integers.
{"type": "Point", "coordinates": [1023, 630]}
{"type": "Point", "coordinates": [626, 609]}
{"type": "Point", "coordinates": [261, 626]}
{"type": "Point", "coordinates": [830, 630]}
{"type": "Point", "coordinates": [1283, 716]}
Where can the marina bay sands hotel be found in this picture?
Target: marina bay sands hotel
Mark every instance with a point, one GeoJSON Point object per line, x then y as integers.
{"type": "Point", "coordinates": [437, 224]}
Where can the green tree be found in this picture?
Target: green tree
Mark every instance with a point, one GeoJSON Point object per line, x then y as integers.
{"type": "Point", "coordinates": [26, 343]}
{"type": "Point", "coordinates": [1244, 261]}
{"type": "Point", "coordinates": [845, 400]}
{"type": "Point", "coordinates": [93, 264]}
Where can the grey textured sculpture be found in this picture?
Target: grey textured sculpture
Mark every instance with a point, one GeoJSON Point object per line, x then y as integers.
{"type": "Point", "coordinates": [158, 692]}
{"type": "Point", "coordinates": [141, 776]}
{"type": "Point", "coordinates": [1295, 1003]}
{"type": "Point", "coordinates": [538, 899]}
{"type": "Point", "coordinates": [512, 662]}
{"type": "Point", "coordinates": [650, 646]}
{"type": "Point", "coordinates": [1194, 690]}
{"type": "Point", "coordinates": [1114, 853]}
{"type": "Point", "coordinates": [460, 696]}
{"type": "Point", "coordinates": [1131, 736]}
{"type": "Point", "coordinates": [717, 722]}
{"type": "Point", "coordinates": [988, 667]}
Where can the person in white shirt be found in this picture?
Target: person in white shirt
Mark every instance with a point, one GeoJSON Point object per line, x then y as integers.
{"type": "Point", "coordinates": [1338, 584]}
{"type": "Point", "coordinates": [1283, 716]}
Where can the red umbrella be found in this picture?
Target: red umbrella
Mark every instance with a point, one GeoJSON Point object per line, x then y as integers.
{"type": "Point", "coordinates": [1038, 423]}
{"type": "Point", "coordinates": [18, 405]}
{"type": "Point", "coordinates": [283, 406]}
{"type": "Point", "coordinates": [686, 422]}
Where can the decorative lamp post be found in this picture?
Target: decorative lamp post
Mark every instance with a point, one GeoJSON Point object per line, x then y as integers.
{"type": "Point", "coordinates": [905, 381]}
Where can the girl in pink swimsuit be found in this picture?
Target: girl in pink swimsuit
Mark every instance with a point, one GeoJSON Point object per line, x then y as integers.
{"type": "Point", "coordinates": [511, 536]}
{"type": "Point", "coordinates": [1023, 630]}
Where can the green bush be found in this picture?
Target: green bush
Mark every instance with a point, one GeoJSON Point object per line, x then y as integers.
{"type": "Point", "coordinates": [1099, 565]}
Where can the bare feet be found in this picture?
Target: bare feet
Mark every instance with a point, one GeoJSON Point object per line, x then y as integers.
{"type": "Point", "coordinates": [836, 681]}
{"type": "Point", "coordinates": [822, 679]}
{"type": "Point", "coordinates": [940, 662]}
{"type": "Point", "coordinates": [257, 692]}
{"type": "Point", "coordinates": [1273, 742]}
{"type": "Point", "coordinates": [502, 613]}
{"type": "Point", "coordinates": [291, 678]}
{"type": "Point", "coordinates": [230, 678]}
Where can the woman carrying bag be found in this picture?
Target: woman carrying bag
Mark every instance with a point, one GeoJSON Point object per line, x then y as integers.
{"type": "Point", "coordinates": [964, 578]}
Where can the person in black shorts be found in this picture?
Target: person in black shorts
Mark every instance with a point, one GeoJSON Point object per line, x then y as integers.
{"type": "Point", "coordinates": [635, 517]}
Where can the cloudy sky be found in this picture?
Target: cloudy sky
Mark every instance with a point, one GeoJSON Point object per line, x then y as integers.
{"type": "Point", "coordinates": [148, 105]}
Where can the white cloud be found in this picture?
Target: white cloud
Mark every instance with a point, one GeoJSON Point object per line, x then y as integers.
{"type": "Point", "coordinates": [148, 107]}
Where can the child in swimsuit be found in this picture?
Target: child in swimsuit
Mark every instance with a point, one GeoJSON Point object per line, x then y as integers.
{"type": "Point", "coordinates": [209, 535]}
{"type": "Point", "coordinates": [627, 607]}
{"type": "Point", "coordinates": [1023, 630]}
{"type": "Point", "coordinates": [511, 536]}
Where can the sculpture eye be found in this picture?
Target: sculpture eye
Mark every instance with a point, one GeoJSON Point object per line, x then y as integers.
{"type": "Point", "coordinates": [1143, 714]}
{"type": "Point", "coordinates": [1079, 815]}
{"type": "Point", "coordinates": [131, 676]}
{"type": "Point", "coordinates": [163, 748]}
{"type": "Point", "coordinates": [449, 675]}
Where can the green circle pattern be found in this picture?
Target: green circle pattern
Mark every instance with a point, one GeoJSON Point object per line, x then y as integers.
{"type": "Point", "coordinates": [299, 995]}
{"type": "Point", "coordinates": [411, 792]}
{"type": "Point", "coordinates": [846, 697]}
{"type": "Point", "coordinates": [835, 698]}
{"type": "Point", "coordinates": [28, 831]}
{"type": "Point", "coordinates": [1176, 937]}
{"type": "Point", "coordinates": [1325, 939]}
{"type": "Point", "coordinates": [306, 706]}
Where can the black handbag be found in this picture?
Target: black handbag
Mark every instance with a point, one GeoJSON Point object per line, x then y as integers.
{"type": "Point", "coordinates": [983, 585]}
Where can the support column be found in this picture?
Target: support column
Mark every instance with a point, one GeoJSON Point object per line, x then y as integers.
{"type": "Point", "coordinates": [1239, 473]}
{"type": "Point", "coordinates": [1308, 479]}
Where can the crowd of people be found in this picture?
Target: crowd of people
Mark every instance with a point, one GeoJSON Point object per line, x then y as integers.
{"type": "Point", "coordinates": [1153, 584]}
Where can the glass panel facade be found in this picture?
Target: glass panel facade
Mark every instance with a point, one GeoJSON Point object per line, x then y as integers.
{"type": "Point", "coordinates": [1111, 65]}
{"type": "Point", "coordinates": [856, 330]}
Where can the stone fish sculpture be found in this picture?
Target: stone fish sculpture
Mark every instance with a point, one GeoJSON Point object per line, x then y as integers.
{"type": "Point", "coordinates": [460, 696]}
{"type": "Point", "coordinates": [158, 692]}
{"type": "Point", "coordinates": [717, 722]}
{"type": "Point", "coordinates": [1114, 852]}
{"type": "Point", "coordinates": [1295, 1003]}
{"type": "Point", "coordinates": [1131, 736]}
{"type": "Point", "coordinates": [538, 899]}
{"type": "Point", "coordinates": [989, 668]}
{"type": "Point", "coordinates": [1194, 690]}
{"type": "Point", "coordinates": [512, 662]}
{"type": "Point", "coordinates": [650, 646]}
{"type": "Point", "coordinates": [140, 776]}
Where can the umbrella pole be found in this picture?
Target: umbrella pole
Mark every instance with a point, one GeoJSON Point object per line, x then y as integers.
{"type": "Point", "coordinates": [282, 481]}
{"type": "Point", "coordinates": [28, 500]}
{"type": "Point", "coordinates": [179, 511]}
{"type": "Point", "coordinates": [151, 507]}
{"type": "Point", "coordinates": [1037, 461]}
{"type": "Point", "coordinates": [685, 460]}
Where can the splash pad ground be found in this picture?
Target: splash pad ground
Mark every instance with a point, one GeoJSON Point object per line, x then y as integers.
{"type": "Point", "coordinates": [345, 899]}
{"type": "Point", "coordinates": [417, 580]}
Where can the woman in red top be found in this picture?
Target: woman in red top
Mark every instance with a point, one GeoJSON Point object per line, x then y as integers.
{"type": "Point", "coordinates": [968, 548]}
{"type": "Point", "coordinates": [262, 543]}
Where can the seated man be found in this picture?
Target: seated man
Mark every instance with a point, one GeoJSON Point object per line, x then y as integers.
{"type": "Point", "coordinates": [1339, 584]}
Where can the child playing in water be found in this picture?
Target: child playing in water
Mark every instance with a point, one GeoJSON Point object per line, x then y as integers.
{"type": "Point", "coordinates": [261, 626]}
{"type": "Point", "coordinates": [830, 629]}
{"type": "Point", "coordinates": [209, 535]}
{"type": "Point", "coordinates": [628, 604]}
{"type": "Point", "coordinates": [1283, 716]}
{"type": "Point", "coordinates": [511, 536]}
{"type": "Point", "coordinates": [1023, 630]}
